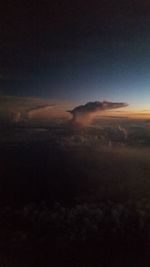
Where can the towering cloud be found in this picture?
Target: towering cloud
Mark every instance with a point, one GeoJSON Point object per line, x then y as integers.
{"type": "Point", "coordinates": [84, 113]}
{"type": "Point", "coordinates": [32, 111]}
{"type": "Point", "coordinates": [25, 115]}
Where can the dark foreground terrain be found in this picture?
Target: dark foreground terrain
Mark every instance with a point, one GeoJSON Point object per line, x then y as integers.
{"type": "Point", "coordinates": [65, 204]}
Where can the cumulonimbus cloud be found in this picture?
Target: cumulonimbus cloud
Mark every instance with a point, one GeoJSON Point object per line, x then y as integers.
{"type": "Point", "coordinates": [84, 113]}
{"type": "Point", "coordinates": [32, 111]}
{"type": "Point", "coordinates": [28, 113]}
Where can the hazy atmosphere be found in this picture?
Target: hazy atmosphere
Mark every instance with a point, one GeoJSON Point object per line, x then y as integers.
{"type": "Point", "coordinates": [75, 133]}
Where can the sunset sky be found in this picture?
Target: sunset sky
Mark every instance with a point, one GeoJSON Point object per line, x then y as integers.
{"type": "Point", "coordinates": [76, 52]}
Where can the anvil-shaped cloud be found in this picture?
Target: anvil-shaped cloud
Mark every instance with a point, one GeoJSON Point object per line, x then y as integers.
{"type": "Point", "coordinates": [84, 113]}
{"type": "Point", "coordinates": [28, 113]}
{"type": "Point", "coordinates": [31, 111]}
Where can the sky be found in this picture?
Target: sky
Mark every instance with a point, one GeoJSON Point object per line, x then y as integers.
{"type": "Point", "coordinates": [76, 51]}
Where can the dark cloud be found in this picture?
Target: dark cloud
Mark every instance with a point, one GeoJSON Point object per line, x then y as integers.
{"type": "Point", "coordinates": [84, 113]}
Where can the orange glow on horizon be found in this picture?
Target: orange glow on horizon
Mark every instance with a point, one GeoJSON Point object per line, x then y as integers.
{"type": "Point", "coordinates": [131, 114]}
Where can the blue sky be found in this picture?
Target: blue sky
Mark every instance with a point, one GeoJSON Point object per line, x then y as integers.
{"type": "Point", "coordinates": [77, 52]}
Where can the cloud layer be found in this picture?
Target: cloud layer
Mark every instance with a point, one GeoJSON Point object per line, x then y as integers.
{"type": "Point", "coordinates": [43, 112]}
